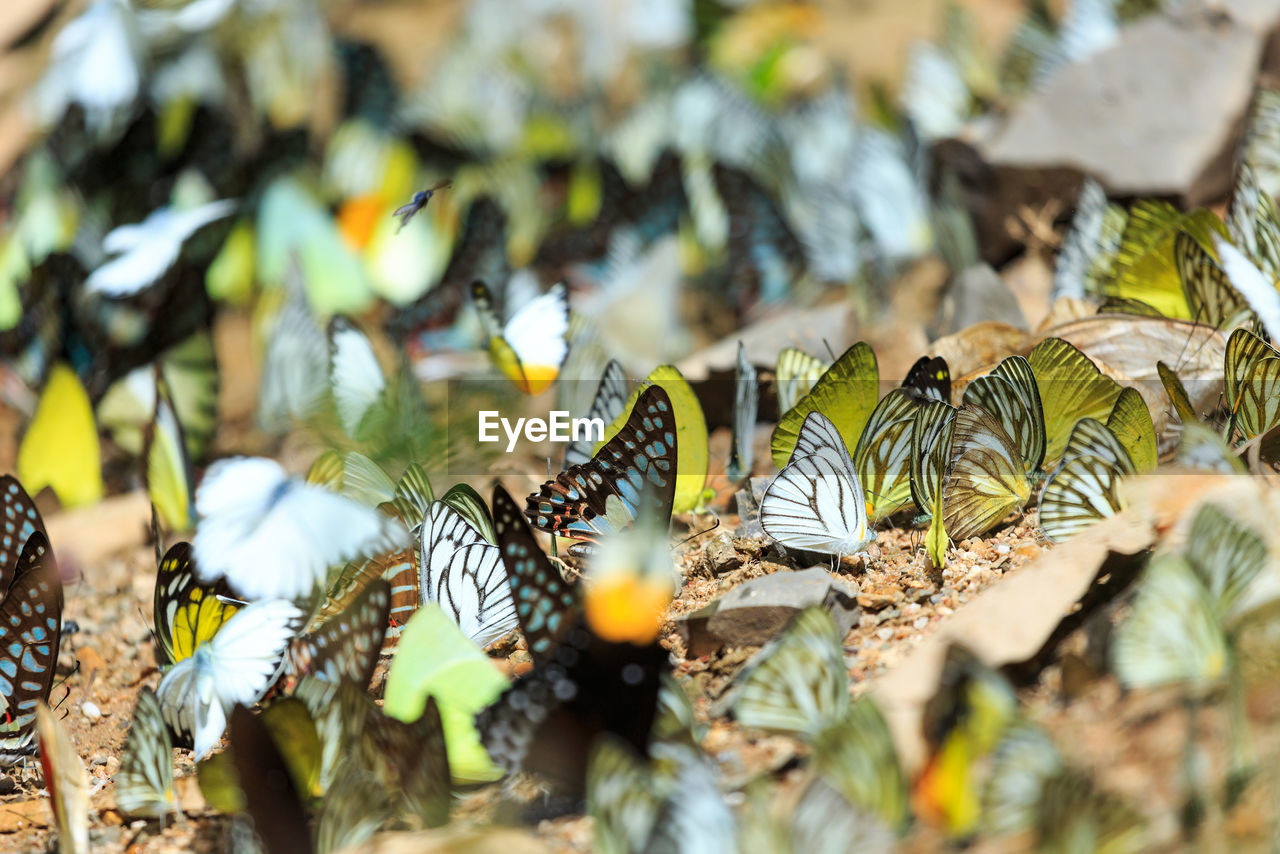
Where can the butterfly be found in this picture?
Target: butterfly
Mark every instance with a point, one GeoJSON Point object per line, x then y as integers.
{"type": "Point", "coordinates": [145, 250]}
{"type": "Point", "coordinates": [1255, 288]}
{"type": "Point", "coordinates": [190, 371]}
{"type": "Point", "coordinates": [589, 500]}
{"type": "Point", "coordinates": [1071, 387]}
{"type": "Point", "coordinates": [295, 364]}
{"type": "Point", "coordinates": [609, 403]}
{"type": "Point", "coordinates": [354, 375]}
{"type": "Point", "coordinates": [846, 394]}
{"type": "Point", "coordinates": [746, 403]}
{"type": "Point", "coordinates": [582, 685]}
{"type": "Point", "coordinates": [463, 571]}
{"type": "Point", "coordinates": [270, 534]}
{"type": "Point", "coordinates": [167, 468]}
{"type": "Point", "coordinates": [1030, 788]}
{"type": "Point", "coordinates": [66, 780]}
{"type": "Point", "coordinates": [929, 378]}
{"type": "Point", "coordinates": [344, 647]}
{"type": "Point", "coordinates": [419, 201]}
{"type": "Point", "coordinates": [20, 520]}
{"type": "Point", "coordinates": [1251, 386]}
{"type": "Point", "coordinates": [270, 792]}
{"type": "Point", "coordinates": [692, 451]}
{"type": "Point", "coordinates": [821, 820]}
{"type": "Point", "coordinates": [186, 612]}
{"type": "Point", "coordinates": [236, 666]}
{"type": "Point", "coordinates": [794, 375]}
{"type": "Point", "coordinates": [60, 448]}
{"type": "Point", "coordinates": [30, 629]}
{"type": "Point", "coordinates": [1189, 607]}
{"type": "Point", "coordinates": [882, 454]}
{"type": "Point", "coordinates": [1211, 298]}
{"type": "Point", "coordinates": [931, 435]}
{"type": "Point", "coordinates": [1084, 486]}
{"type": "Point", "coordinates": [1090, 245]}
{"type": "Point", "coordinates": [986, 477]}
{"type": "Point", "coordinates": [971, 710]}
{"type": "Point", "coordinates": [435, 660]}
{"type": "Point", "coordinates": [816, 502]}
{"type": "Point", "coordinates": [798, 684]}
{"type": "Point", "coordinates": [530, 348]}
{"type": "Point", "coordinates": [144, 783]}
{"type": "Point", "coordinates": [1010, 393]}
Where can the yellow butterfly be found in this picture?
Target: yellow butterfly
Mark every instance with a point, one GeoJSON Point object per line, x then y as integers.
{"type": "Point", "coordinates": [60, 448]}
{"type": "Point", "coordinates": [530, 348]}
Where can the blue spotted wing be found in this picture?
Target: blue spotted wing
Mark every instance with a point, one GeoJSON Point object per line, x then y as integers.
{"type": "Point", "coordinates": [546, 604]}
{"type": "Point", "coordinates": [637, 465]}
{"type": "Point", "coordinates": [30, 627]}
{"type": "Point", "coordinates": [21, 520]}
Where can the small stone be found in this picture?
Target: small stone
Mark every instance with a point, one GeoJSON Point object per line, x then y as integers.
{"type": "Point", "coordinates": [91, 711]}
{"type": "Point", "coordinates": [8, 785]}
{"type": "Point", "coordinates": [1002, 549]}
{"type": "Point", "coordinates": [884, 634]}
{"type": "Point", "coordinates": [920, 623]}
{"type": "Point", "coordinates": [97, 760]}
{"type": "Point", "coordinates": [722, 555]}
{"type": "Point", "coordinates": [874, 601]}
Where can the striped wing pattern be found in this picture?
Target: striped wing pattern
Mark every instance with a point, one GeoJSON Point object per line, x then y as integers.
{"type": "Point", "coordinates": [186, 611]}
{"type": "Point", "coordinates": [931, 432]}
{"type": "Point", "coordinates": [795, 375]}
{"type": "Point", "coordinates": [1210, 297]}
{"type": "Point", "coordinates": [882, 456]}
{"type": "Point", "coordinates": [611, 395]}
{"type": "Point", "coordinates": [816, 503]}
{"type": "Point", "coordinates": [1084, 486]}
{"type": "Point", "coordinates": [144, 783]}
{"type": "Point", "coordinates": [798, 682]}
{"type": "Point", "coordinates": [576, 502]}
{"type": "Point", "coordinates": [987, 479]}
{"type": "Point", "coordinates": [30, 628]}
{"type": "Point", "coordinates": [463, 571]}
{"type": "Point", "coordinates": [1010, 393]}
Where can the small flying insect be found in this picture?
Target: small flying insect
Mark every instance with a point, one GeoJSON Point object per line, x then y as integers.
{"type": "Point", "coordinates": [419, 202]}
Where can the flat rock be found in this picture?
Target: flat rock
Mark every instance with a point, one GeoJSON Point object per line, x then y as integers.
{"type": "Point", "coordinates": [1158, 113]}
{"type": "Point", "coordinates": [755, 612]}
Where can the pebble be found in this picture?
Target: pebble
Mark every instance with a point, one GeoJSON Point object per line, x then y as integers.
{"type": "Point", "coordinates": [885, 633]}
{"type": "Point", "coordinates": [920, 623]}
{"type": "Point", "coordinates": [8, 785]}
{"type": "Point", "coordinates": [1002, 549]}
{"type": "Point", "coordinates": [97, 760]}
{"type": "Point", "coordinates": [91, 711]}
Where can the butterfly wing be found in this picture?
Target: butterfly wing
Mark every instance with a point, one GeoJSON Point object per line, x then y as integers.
{"type": "Point", "coordinates": [638, 464]}
{"type": "Point", "coordinates": [746, 404]}
{"type": "Point", "coordinates": [186, 612]}
{"type": "Point", "coordinates": [545, 603]}
{"type": "Point", "coordinates": [882, 455]}
{"type": "Point", "coordinates": [1084, 486]}
{"type": "Point", "coordinates": [1010, 393]}
{"type": "Point", "coordinates": [254, 516]}
{"type": "Point", "coordinates": [795, 375]}
{"type": "Point", "coordinates": [60, 448]}
{"type": "Point", "coordinates": [846, 394]}
{"type": "Point", "coordinates": [464, 573]}
{"type": "Point", "coordinates": [929, 378]}
{"type": "Point", "coordinates": [987, 478]}
{"type": "Point", "coordinates": [170, 481]}
{"type": "Point", "coordinates": [346, 646]}
{"type": "Point", "coordinates": [816, 502]}
{"type": "Point", "coordinates": [1071, 387]}
{"type": "Point", "coordinates": [610, 398]}
{"type": "Point", "coordinates": [144, 783]}
{"type": "Point", "coordinates": [30, 630]}
{"type": "Point", "coordinates": [468, 503]}
{"type": "Point", "coordinates": [355, 376]}
{"type": "Point", "coordinates": [20, 520]}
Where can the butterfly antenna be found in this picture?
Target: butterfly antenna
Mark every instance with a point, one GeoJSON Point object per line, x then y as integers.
{"type": "Point", "coordinates": [150, 628]}
{"type": "Point", "coordinates": [66, 688]}
{"type": "Point", "coordinates": [696, 534]}
{"type": "Point", "coordinates": [155, 534]}
{"type": "Point", "coordinates": [830, 352]}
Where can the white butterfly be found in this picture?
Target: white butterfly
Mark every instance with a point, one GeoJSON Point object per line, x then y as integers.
{"type": "Point", "coordinates": [1256, 289]}
{"type": "Point", "coordinates": [531, 347]}
{"type": "Point", "coordinates": [816, 503]}
{"type": "Point", "coordinates": [745, 408]}
{"type": "Point", "coordinates": [147, 249]}
{"type": "Point", "coordinates": [96, 61]}
{"type": "Point", "coordinates": [272, 535]}
{"type": "Point", "coordinates": [354, 373]}
{"type": "Point", "coordinates": [236, 666]}
{"type": "Point", "coordinates": [463, 571]}
{"type": "Point", "coordinates": [295, 365]}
